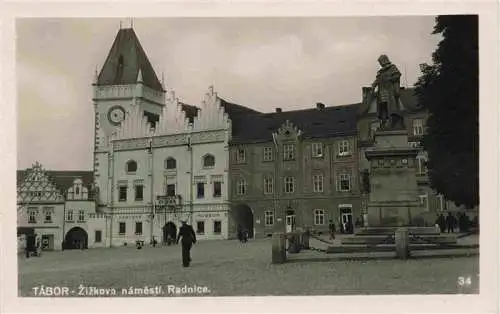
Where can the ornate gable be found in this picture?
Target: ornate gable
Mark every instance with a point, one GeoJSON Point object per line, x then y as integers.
{"type": "Point", "coordinates": [288, 130]}
{"type": "Point", "coordinates": [212, 115]}
{"type": "Point", "coordinates": [135, 125]}
{"type": "Point", "coordinates": [38, 188]}
{"type": "Point", "coordinates": [173, 119]}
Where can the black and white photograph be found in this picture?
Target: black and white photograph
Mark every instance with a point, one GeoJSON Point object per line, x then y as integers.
{"type": "Point", "coordinates": [259, 156]}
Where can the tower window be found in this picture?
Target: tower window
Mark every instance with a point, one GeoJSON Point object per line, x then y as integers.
{"type": "Point", "coordinates": [119, 69]}
{"type": "Point", "coordinates": [131, 166]}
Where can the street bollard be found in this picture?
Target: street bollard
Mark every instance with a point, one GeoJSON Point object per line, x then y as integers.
{"type": "Point", "coordinates": [278, 248]}
{"type": "Point", "coordinates": [402, 243]}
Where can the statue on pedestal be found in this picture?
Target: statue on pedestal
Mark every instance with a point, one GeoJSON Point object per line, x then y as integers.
{"type": "Point", "coordinates": [387, 84]}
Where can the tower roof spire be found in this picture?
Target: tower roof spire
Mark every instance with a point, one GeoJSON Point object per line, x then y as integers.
{"type": "Point", "coordinates": [125, 59]}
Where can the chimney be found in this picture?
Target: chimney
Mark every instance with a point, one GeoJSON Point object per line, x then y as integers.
{"type": "Point", "coordinates": [278, 110]}
{"type": "Point", "coordinates": [320, 106]}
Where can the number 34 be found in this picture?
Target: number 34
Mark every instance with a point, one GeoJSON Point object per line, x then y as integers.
{"type": "Point", "coordinates": [464, 281]}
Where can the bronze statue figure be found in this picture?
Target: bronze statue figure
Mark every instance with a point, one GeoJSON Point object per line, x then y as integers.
{"type": "Point", "coordinates": [387, 83]}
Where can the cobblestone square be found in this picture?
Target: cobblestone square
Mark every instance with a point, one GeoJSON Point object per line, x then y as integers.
{"type": "Point", "coordinates": [229, 268]}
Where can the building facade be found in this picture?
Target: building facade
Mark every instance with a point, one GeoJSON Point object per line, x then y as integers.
{"type": "Point", "coordinates": [297, 168]}
{"type": "Point", "coordinates": [158, 161]}
{"type": "Point", "coordinates": [60, 207]}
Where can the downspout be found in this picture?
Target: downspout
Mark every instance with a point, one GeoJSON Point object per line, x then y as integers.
{"type": "Point", "coordinates": [151, 168]}
{"type": "Point", "coordinates": [191, 179]}
{"type": "Point", "coordinates": [112, 189]}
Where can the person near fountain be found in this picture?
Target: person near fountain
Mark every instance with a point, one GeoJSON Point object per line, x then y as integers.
{"type": "Point", "coordinates": [331, 228]}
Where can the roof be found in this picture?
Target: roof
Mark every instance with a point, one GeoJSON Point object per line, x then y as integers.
{"type": "Point", "coordinates": [330, 121]}
{"type": "Point", "coordinates": [127, 51]}
{"type": "Point", "coordinates": [234, 109]}
{"type": "Point", "coordinates": [63, 179]}
{"type": "Point", "coordinates": [230, 108]}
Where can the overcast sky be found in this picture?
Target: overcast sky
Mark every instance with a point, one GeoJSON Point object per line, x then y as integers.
{"type": "Point", "coordinates": [261, 63]}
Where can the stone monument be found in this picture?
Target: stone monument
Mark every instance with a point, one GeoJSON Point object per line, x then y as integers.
{"type": "Point", "coordinates": [394, 196]}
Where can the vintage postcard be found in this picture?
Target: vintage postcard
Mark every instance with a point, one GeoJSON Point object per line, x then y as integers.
{"type": "Point", "coordinates": [204, 158]}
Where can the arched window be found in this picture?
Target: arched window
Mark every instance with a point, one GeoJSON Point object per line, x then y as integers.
{"type": "Point", "coordinates": [208, 161]}
{"type": "Point", "coordinates": [131, 166]}
{"type": "Point", "coordinates": [170, 163]}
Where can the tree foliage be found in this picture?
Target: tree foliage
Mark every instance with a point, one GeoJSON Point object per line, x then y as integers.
{"type": "Point", "coordinates": [449, 90]}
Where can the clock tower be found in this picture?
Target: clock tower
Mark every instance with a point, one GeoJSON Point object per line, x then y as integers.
{"type": "Point", "coordinates": [126, 80]}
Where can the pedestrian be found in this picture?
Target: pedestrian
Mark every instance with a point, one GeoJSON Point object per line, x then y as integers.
{"type": "Point", "coordinates": [188, 239]}
{"type": "Point", "coordinates": [38, 245]}
{"type": "Point", "coordinates": [450, 222]}
{"type": "Point", "coordinates": [331, 227]}
{"type": "Point", "coordinates": [239, 233]}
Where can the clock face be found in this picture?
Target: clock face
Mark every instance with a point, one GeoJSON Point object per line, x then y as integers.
{"type": "Point", "coordinates": [116, 115]}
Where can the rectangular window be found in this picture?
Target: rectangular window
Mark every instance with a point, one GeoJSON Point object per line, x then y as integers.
{"type": "Point", "coordinates": [32, 213]}
{"type": "Point", "coordinates": [318, 183]}
{"type": "Point", "coordinates": [344, 182]}
{"type": "Point", "coordinates": [81, 215]}
{"type": "Point", "coordinates": [138, 228]}
{"type": "Point", "coordinates": [122, 228]}
{"type": "Point", "coordinates": [424, 201]}
{"type": "Point", "coordinates": [217, 227]}
{"type": "Point", "coordinates": [98, 236]}
{"type": "Point", "coordinates": [418, 127]}
{"type": "Point", "coordinates": [48, 211]}
{"type": "Point", "coordinates": [139, 192]}
{"type": "Point", "coordinates": [122, 194]}
{"type": "Point", "coordinates": [268, 185]}
{"type": "Point", "coordinates": [269, 218]}
{"type": "Point", "coordinates": [240, 155]}
{"type": "Point", "coordinates": [170, 189]}
{"type": "Point", "coordinates": [200, 227]}
{"type": "Point", "coordinates": [344, 148]}
{"type": "Point", "coordinates": [217, 189]}
{"type": "Point", "coordinates": [242, 187]}
{"type": "Point", "coordinates": [289, 185]}
{"type": "Point", "coordinates": [317, 150]}
{"type": "Point", "coordinates": [268, 153]}
{"type": "Point", "coordinates": [200, 190]}
{"type": "Point", "coordinates": [319, 217]}
{"type": "Point", "coordinates": [288, 152]}
{"type": "Point", "coordinates": [69, 215]}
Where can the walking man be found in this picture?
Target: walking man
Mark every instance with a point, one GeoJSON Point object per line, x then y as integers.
{"type": "Point", "coordinates": [331, 227]}
{"type": "Point", "coordinates": [188, 238]}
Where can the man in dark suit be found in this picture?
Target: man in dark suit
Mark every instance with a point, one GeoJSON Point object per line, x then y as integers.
{"type": "Point", "coordinates": [188, 238]}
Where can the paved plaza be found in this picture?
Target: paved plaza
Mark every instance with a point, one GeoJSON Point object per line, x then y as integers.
{"type": "Point", "coordinates": [229, 268]}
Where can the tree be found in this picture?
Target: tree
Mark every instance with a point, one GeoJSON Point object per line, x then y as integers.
{"type": "Point", "coordinates": [449, 90]}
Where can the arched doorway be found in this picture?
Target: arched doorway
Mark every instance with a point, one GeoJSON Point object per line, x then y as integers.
{"type": "Point", "coordinates": [76, 238]}
{"type": "Point", "coordinates": [290, 220]}
{"type": "Point", "coordinates": [169, 229]}
{"type": "Point", "coordinates": [242, 216]}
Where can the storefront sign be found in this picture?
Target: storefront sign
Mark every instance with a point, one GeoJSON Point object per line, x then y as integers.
{"type": "Point", "coordinates": [209, 215]}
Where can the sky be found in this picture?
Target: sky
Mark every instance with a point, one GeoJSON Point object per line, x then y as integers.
{"type": "Point", "coordinates": [261, 63]}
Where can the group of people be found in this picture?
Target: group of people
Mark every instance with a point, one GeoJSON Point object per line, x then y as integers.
{"type": "Point", "coordinates": [451, 223]}
{"type": "Point", "coordinates": [242, 234]}
{"type": "Point", "coordinates": [344, 227]}
{"type": "Point", "coordinates": [33, 245]}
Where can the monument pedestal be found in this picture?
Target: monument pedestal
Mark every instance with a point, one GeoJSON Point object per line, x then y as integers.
{"type": "Point", "coordinates": [394, 195]}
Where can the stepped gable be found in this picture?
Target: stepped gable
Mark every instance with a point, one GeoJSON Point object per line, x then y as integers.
{"type": "Point", "coordinates": [175, 117]}
{"type": "Point", "coordinates": [314, 123]}
{"type": "Point", "coordinates": [125, 60]}
{"type": "Point", "coordinates": [212, 114]}
{"type": "Point", "coordinates": [135, 125]}
{"type": "Point", "coordinates": [62, 180]}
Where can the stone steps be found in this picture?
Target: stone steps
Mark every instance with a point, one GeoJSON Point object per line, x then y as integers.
{"type": "Point", "coordinates": [391, 230]}
{"type": "Point", "coordinates": [391, 248]}
{"type": "Point", "coordinates": [377, 239]}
